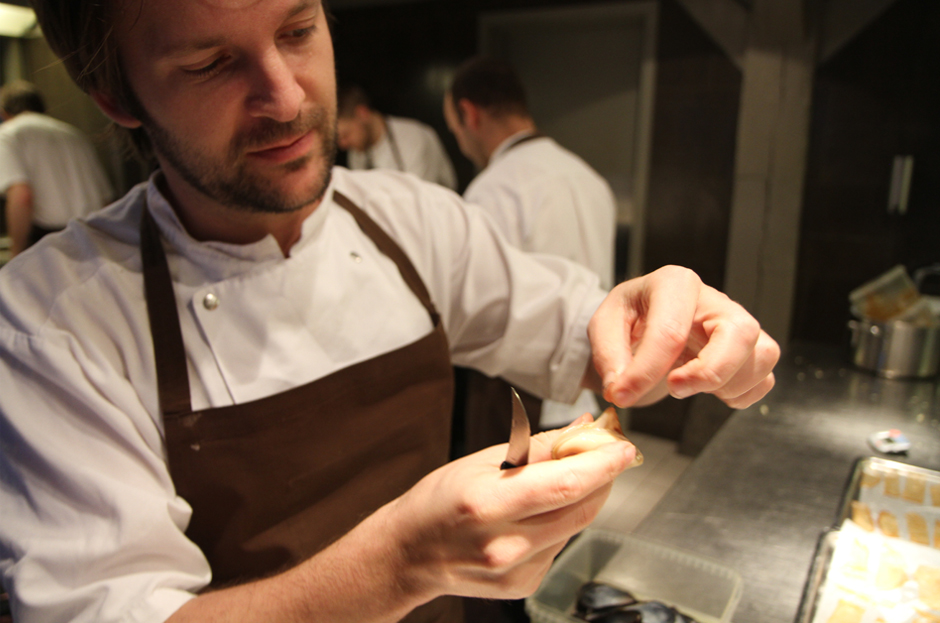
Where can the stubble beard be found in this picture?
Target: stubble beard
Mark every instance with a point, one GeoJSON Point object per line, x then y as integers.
{"type": "Point", "coordinates": [233, 182]}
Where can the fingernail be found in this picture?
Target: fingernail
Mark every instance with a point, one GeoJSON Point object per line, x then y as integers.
{"type": "Point", "coordinates": [680, 392]}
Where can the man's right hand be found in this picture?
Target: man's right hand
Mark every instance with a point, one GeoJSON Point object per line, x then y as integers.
{"type": "Point", "coordinates": [471, 529]}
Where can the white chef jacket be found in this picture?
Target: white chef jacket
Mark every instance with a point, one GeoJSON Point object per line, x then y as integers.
{"type": "Point", "coordinates": [91, 528]}
{"type": "Point", "coordinates": [545, 199]}
{"type": "Point", "coordinates": [411, 147]}
{"type": "Point", "coordinates": [58, 162]}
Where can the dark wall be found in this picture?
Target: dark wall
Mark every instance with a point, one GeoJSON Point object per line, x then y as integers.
{"type": "Point", "coordinates": [698, 90]}
{"type": "Point", "coordinates": [877, 98]}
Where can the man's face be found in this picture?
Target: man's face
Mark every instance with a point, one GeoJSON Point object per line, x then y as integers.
{"type": "Point", "coordinates": [237, 96]}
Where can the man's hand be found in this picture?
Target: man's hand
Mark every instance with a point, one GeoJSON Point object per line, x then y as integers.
{"type": "Point", "coordinates": [472, 529]}
{"type": "Point", "coordinates": [669, 332]}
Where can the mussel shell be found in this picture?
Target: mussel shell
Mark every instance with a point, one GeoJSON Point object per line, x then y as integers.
{"type": "Point", "coordinates": [652, 612]}
{"type": "Point", "coordinates": [620, 616]}
{"type": "Point", "coordinates": [596, 598]}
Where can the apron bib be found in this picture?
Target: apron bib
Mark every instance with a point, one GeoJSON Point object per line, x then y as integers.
{"type": "Point", "coordinates": [273, 481]}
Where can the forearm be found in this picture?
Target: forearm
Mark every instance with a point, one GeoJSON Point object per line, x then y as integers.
{"type": "Point", "coordinates": [19, 211]}
{"type": "Point", "coordinates": [361, 577]}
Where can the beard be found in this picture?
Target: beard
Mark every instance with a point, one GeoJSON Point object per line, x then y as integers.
{"type": "Point", "coordinates": [231, 181]}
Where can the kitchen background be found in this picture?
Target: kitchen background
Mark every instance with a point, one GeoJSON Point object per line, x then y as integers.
{"type": "Point", "coordinates": [753, 141]}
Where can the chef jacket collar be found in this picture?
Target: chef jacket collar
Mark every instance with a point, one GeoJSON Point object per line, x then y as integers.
{"type": "Point", "coordinates": [507, 144]}
{"type": "Point", "coordinates": [266, 249]}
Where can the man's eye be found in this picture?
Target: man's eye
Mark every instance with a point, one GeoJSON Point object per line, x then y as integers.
{"type": "Point", "coordinates": [207, 70]}
{"type": "Point", "coordinates": [299, 34]}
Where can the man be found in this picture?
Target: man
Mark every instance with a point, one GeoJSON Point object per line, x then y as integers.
{"type": "Point", "coordinates": [48, 168]}
{"type": "Point", "coordinates": [239, 374]}
{"type": "Point", "coordinates": [377, 141]}
{"type": "Point", "coordinates": [543, 198]}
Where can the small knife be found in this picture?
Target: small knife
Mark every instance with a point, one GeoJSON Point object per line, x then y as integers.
{"type": "Point", "coordinates": [518, 453]}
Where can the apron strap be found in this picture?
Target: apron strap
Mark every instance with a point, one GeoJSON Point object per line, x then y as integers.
{"type": "Point", "coordinates": [391, 249]}
{"type": "Point", "coordinates": [169, 353]}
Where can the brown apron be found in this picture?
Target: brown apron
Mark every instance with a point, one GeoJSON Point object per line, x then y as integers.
{"type": "Point", "coordinates": [487, 410]}
{"type": "Point", "coordinates": [275, 480]}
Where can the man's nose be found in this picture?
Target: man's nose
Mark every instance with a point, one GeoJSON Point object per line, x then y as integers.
{"type": "Point", "coordinates": [275, 92]}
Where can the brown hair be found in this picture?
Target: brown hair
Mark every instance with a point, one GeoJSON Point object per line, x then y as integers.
{"type": "Point", "coordinates": [491, 84]}
{"type": "Point", "coordinates": [81, 33]}
{"type": "Point", "coordinates": [19, 96]}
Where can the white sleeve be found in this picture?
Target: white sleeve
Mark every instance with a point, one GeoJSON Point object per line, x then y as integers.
{"type": "Point", "coordinates": [11, 168]}
{"type": "Point", "coordinates": [509, 313]}
{"type": "Point", "coordinates": [89, 531]}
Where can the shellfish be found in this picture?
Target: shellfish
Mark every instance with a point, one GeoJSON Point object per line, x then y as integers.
{"type": "Point", "coordinates": [584, 437]}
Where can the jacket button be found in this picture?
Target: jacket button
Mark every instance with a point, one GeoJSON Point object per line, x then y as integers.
{"type": "Point", "coordinates": [210, 302]}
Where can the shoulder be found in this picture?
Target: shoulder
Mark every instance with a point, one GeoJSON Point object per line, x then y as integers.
{"type": "Point", "coordinates": [417, 214]}
{"type": "Point", "coordinates": [411, 127]}
{"type": "Point", "coordinates": [50, 284]}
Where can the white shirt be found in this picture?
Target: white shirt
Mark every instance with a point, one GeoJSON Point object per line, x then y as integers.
{"type": "Point", "coordinates": [545, 199]}
{"type": "Point", "coordinates": [409, 146]}
{"type": "Point", "coordinates": [90, 526]}
{"type": "Point", "coordinates": [59, 164]}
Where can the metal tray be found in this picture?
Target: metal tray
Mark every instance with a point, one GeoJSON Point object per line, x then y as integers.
{"type": "Point", "coordinates": [854, 489]}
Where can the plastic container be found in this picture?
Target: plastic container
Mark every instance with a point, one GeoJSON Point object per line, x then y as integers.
{"type": "Point", "coordinates": [700, 588]}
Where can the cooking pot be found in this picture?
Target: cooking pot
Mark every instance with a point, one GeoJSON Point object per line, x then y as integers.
{"type": "Point", "coordinates": [896, 349]}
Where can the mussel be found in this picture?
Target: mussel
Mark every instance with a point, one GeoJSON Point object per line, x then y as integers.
{"type": "Point", "coordinates": [584, 437]}
{"type": "Point", "coordinates": [646, 612]}
{"type": "Point", "coordinates": [596, 599]}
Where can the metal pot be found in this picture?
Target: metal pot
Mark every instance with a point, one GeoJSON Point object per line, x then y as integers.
{"type": "Point", "coordinates": [896, 349]}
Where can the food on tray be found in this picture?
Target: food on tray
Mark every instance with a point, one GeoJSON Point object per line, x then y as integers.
{"type": "Point", "coordinates": [917, 528]}
{"type": "Point", "coordinates": [870, 479]}
{"type": "Point", "coordinates": [847, 612]}
{"type": "Point", "coordinates": [888, 523]}
{"type": "Point", "coordinates": [928, 585]}
{"type": "Point", "coordinates": [584, 437]}
{"type": "Point", "coordinates": [891, 572]}
{"type": "Point", "coordinates": [861, 515]}
{"type": "Point", "coordinates": [914, 489]}
{"type": "Point", "coordinates": [936, 533]}
{"type": "Point", "coordinates": [892, 483]}
{"type": "Point", "coordinates": [935, 494]}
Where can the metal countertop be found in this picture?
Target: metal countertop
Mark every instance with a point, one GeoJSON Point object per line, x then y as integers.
{"type": "Point", "coordinates": [769, 483]}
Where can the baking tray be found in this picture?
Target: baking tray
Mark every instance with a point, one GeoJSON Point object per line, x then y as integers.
{"type": "Point", "coordinates": [883, 497]}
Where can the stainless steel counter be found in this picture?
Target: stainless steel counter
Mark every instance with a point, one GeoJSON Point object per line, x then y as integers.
{"type": "Point", "coordinates": [764, 488]}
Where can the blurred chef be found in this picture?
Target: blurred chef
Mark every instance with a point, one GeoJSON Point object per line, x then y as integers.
{"type": "Point", "coordinates": [377, 141]}
{"type": "Point", "coordinates": [544, 199]}
{"type": "Point", "coordinates": [48, 168]}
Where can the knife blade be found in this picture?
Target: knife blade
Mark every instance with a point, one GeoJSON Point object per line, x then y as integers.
{"type": "Point", "coordinates": [518, 453]}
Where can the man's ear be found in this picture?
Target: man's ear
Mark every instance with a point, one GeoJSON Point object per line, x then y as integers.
{"type": "Point", "coordinates": [110, 107]}
{"type": "Point", "coordinates": [469, 113]}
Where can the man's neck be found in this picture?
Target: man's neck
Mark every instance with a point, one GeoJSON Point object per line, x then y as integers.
{"type": "Point", "coordinates": [205, 219]}
{"type": "Point", "coordinates": [502, 129]}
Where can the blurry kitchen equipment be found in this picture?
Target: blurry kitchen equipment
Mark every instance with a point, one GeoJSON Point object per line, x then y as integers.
{"type": "Point", "coordinates": [896, 333]}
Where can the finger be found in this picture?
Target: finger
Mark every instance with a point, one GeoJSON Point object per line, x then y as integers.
{"type": "Point", "coordinates": [672, 299]}
{"type": "Point", "coordinates": [549, 485]}
{"type": "Point", "coordinates": [758, 365]}
{"type": "Point", "coordinates": [753, 395]}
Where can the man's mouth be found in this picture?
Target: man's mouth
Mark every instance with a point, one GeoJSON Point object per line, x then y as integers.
{"type": "Point", "coordinates": [285, 150]}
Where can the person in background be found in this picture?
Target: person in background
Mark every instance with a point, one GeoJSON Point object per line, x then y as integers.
{"type": "Point", "coordinates": [227, 396]}
{"type": "Point", "coordinates": [542, 197]}
{"type": "Point", "coordinates": [377, 141]}
{"type": "Point", "coordinates": [49, 171]}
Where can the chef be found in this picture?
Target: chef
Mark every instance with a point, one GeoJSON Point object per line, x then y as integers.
{"type": "Point", "coordinates": [542, 197]}
{"type": "Point", "coordinates": [226, 396]}
{"type": "Point", "coordinates": [377, 141]}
